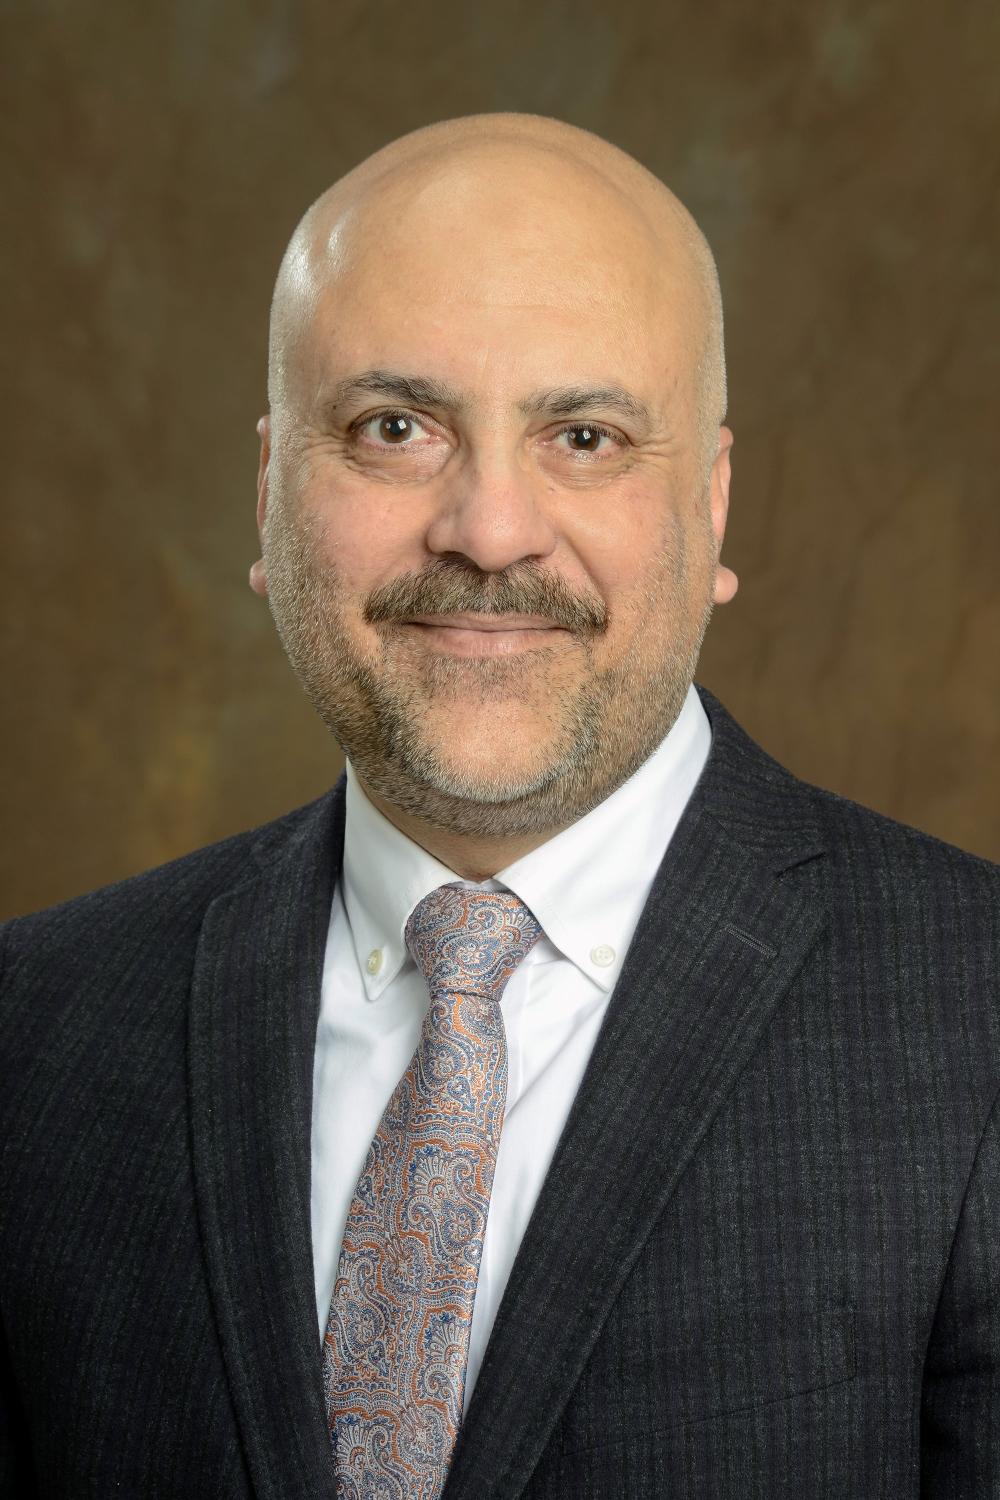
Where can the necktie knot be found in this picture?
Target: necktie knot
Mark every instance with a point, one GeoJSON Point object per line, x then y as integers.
{"type": "Point", "coordinates": [470, 942]}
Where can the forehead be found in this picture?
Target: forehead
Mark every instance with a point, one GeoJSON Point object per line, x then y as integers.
{"type": "Point", "coordinates": [535, 277]}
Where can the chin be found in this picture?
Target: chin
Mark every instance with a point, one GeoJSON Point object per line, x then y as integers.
{"type": "Point", "coordinates": [499, 773]}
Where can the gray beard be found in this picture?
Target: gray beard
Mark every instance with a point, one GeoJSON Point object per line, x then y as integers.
{"type": "Point", "coordinates": [598, 747]}
{"type": "Point", "coordinates": [603, 728]}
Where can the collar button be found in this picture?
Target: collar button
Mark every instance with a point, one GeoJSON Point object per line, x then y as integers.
{"type": "Point", "coordinates": [374, 961]}
{"type": "Point", "coordinates": [602, 955]}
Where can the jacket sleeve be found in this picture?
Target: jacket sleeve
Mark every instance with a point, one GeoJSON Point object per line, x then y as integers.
{"type": "Point", "coordinates": [960, 1414]}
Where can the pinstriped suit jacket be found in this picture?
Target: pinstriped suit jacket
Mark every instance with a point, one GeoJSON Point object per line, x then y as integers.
{"type": "Point", "coordinates": [766, 1259]}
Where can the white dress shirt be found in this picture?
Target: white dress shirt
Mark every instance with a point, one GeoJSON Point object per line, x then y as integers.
{"type": "Point", "coordinates": [587, 887]}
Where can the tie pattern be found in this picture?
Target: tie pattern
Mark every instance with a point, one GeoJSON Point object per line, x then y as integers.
{"type": "Point", "coordinates": [397, 1338]}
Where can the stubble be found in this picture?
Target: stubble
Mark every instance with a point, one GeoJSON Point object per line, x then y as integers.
{"type": "Point", "coordinates": [595, 724]}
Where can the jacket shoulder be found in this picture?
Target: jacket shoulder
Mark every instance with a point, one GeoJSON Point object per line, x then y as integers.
{"type": "Point", "coordinates": [859, 835]}
{"type": "Point", "coordinates": [759, 798]}
{"type": "Point", "coordinates": [172, 896]}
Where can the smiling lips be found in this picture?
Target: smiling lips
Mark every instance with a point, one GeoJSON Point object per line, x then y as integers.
{"type": "Point", "coordinates": [485, 635]}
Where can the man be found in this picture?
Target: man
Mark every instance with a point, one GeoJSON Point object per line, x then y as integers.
{"type": "Point", "coordinates": [571, 1103]}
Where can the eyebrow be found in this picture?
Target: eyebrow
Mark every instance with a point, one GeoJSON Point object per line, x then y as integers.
{"type": "Point", "coordinates": [560, 401]}
{"type": "Point", "coordinates": [565, 400]}
{"type": "Point", "coordinates": [415, 390]}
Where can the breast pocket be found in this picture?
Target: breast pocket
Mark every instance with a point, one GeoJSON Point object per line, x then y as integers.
{"type": "Point", "coordinates": [690, 1368]}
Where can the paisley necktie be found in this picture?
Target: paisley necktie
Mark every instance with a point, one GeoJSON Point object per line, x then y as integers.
{"type": "Point", "coordinates": [397, 1338]}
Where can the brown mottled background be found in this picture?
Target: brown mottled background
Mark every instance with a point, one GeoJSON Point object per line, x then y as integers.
{"type": "Point", "coordinates": [843, 159]}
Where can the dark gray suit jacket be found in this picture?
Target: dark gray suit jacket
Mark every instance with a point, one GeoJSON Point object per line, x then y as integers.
{"type": "Point", "coordinates": [765, 1261]}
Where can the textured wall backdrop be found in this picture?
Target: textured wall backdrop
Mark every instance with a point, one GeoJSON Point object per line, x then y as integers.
{"type": "Point", "coordinates": [843, 160]}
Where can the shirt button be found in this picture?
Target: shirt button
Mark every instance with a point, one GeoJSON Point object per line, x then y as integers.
{"type": "Point", "coordinates": [374, 961]}
{"type": "Point", "coordinates": [602, 955]}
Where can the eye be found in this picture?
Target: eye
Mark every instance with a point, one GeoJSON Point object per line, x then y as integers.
{"type": "Point", "coordinates": [390, 429]}
{"type": "Point", "coordinates": [589, 437]}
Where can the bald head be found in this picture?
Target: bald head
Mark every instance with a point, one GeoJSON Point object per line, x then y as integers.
{"type": "Point", "coordinates": [495, 207]}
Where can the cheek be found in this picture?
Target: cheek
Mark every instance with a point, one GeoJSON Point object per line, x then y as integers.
{"type": "Point", "coordinates": [621, 538]}
{"type": "Point", "coordinates": [651, 562]}
{"type": "Point", "coordinates": [361, 532]}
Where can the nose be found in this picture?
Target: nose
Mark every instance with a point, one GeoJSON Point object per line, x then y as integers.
{"type": "Point", "coordinates": [494, 515]}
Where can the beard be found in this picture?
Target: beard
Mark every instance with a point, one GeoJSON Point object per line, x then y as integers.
{"type": "Point", "coordinates": [396, 709]}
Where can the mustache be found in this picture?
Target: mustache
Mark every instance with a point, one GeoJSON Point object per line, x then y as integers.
{"type": "Point", "coordinates": [452, 588]}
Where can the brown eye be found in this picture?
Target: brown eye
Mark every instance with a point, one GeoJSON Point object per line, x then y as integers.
{"type": "Point", "coordinates": [585, 439]}
{"type": "Point", "coordinates": [393, 429]}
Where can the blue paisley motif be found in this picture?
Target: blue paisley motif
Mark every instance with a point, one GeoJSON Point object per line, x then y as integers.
{"type": "Point", "coordinates": [397, 1338]}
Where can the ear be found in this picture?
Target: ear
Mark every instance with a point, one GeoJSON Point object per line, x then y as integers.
{"type": "Point", "coordinates": [726, 582]}
{"type": "Point", "coordinates": [258, 574]}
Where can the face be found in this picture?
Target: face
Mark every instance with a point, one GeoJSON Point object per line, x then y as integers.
{"type": "Point", "coordinates": [489, 535]}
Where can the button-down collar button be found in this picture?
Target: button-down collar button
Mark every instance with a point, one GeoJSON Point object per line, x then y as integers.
{"type": "Point", "coordinates": [374, 961]}
{"type": "Point", "coordinates": [602, 955]}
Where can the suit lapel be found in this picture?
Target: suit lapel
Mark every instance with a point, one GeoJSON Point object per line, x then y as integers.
{"type": "Point", "coordinates": [729, 921]}
{"type": "Point", "coordinates": [727, 925]}
{"type": "Point", "coordinates": [253, 1016]}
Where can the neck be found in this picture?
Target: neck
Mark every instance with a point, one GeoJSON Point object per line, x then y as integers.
{"type": "Point", "coordinates": [471, 856]}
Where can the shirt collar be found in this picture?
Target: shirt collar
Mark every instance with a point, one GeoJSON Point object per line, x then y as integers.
{"type": "Point", "coordinates": [385, 875]}
{"type": "Point", "coordinates": [587, 885]}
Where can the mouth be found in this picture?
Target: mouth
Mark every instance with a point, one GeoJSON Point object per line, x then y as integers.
{"type": "Point", "coordinates": [484, 635]}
